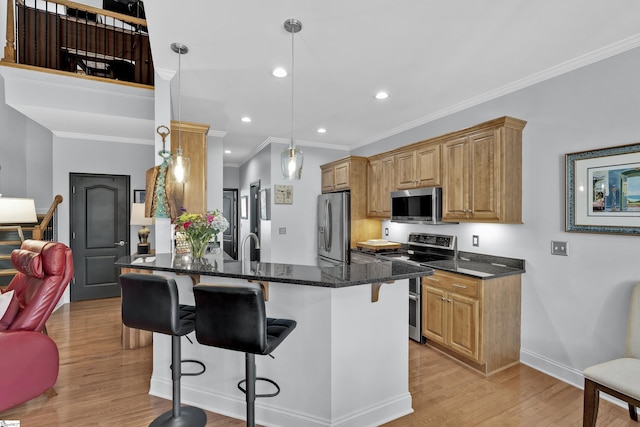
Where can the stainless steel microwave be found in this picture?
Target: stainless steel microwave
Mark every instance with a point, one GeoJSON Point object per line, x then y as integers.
{"type": "Point", "coordinates": [417, 206]}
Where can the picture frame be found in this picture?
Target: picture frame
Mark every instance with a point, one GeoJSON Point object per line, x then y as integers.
{"type": "Point", "coordinates": [264, 204]}
{"type": "Point", "coordinates": [139, 196]}
{"type": "Point", "coordinates": [283, 194]}
{"type": "Point", "coordinates": [244, 207]}
{"type": "Point", "coordinates": [603, 190]}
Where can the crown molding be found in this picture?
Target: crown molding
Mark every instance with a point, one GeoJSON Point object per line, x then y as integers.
{"type": "Point", "coordinates": [555, 71]}
{"type": "Point", "coordinates": [103, 138]}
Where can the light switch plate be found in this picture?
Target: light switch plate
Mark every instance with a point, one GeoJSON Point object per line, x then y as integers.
{"type": "Point", "coordinates": [475, 240]}
{"type": "Point", "coordinates": [282, 230]}
{"type": "Point", "coordinates": [558, 248]}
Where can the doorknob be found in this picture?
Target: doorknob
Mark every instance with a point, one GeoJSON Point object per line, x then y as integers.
{"type": "Point", "coordinates": [120, 243]}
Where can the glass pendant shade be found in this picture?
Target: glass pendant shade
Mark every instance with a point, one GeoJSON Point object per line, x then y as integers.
{"type": "Point", "coordinates": [291, 159]}
{"type": "Point", "coordinates": [180, 166]}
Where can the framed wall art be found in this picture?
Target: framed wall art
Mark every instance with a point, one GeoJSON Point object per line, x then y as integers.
{"type": "Point", "coordinates": [283, 194]}
{"type": "Point", "coordinates": [139, 196]}
{"type": "Point", "coordinates": [265, 213]}
{"type": "Point", "coordinates": [244, 207]}
{"type": "Point", "coordinates": [603, 190]}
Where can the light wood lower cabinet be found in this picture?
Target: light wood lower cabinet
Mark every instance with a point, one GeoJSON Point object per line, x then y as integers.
{"type": "Point", "coordinates": [476, 321]}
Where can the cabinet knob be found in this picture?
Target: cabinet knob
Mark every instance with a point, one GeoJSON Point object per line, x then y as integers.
{"type": "Point", "coordinates": [448, 300]}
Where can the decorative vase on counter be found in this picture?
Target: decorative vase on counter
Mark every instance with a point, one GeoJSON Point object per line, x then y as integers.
{"type": "Point", "coordinates": [197, 247]}
{"type": "Point", "coordinates": [198, 229]}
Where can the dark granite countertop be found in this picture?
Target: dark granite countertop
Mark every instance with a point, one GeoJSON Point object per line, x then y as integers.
{"type": "Point", "coordinates": [471, 264]}
{"type": "Point", "coordinates": [480, 265]}
{"type": "Point", "coordinates": [307, 275]}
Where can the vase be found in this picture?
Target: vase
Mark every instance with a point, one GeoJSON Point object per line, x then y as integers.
{"type": "Point", "coordinates": [198, 247]}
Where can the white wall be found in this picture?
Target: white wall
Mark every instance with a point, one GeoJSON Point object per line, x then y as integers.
{"type": "Point", "coordinates": [231, 177]}
{"type": "Point", "coordinates": [299, 244]}
{"type": "Point", "coordinates": [214, 173]}
{"type": "Point", "coordinates": [574, 308]}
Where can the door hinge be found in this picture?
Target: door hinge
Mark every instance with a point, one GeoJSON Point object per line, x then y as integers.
{"type": "Point", "coordinates": [73, 235]}
{"type": "Point", "coordinates": [73, 189]}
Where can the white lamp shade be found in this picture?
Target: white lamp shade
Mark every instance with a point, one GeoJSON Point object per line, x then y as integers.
{"type": "Point", "coordinates": [17, 210]}
{"type": "Point", "coordinates": [137, 215]}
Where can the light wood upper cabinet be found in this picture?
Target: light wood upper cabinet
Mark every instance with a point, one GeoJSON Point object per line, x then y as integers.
{"type": "Point", "coordinates": [193, 139]}
{"type": "Point", "coordinates": [474, 320]}
{"type": "Point", "coordinates": [336, 176]}
{"type": "Point", "coordinates": [350, 173]}
{"type": "Point", "coordinates": [418, 167]}
{"type": "Point", "coordinates": [482, 174]}
{"type": "Point", "coordinates": [379, 186]}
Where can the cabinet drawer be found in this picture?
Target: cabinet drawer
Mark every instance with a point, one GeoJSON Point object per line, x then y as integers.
{"type": "Point", "coordinates": [453, 283]}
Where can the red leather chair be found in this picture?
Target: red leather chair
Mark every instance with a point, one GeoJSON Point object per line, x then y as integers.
{"type": "Point", "coordinates": [29, 359]}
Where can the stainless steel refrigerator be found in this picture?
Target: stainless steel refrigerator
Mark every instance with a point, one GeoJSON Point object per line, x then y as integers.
{"type": "Point", "coordinates": [334, 232]}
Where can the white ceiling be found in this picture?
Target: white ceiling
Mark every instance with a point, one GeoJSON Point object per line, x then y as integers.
{"type": "Point", "coordinates": [433, 57]}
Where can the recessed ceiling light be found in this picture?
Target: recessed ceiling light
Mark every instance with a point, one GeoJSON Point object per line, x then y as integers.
{"type": "Point", "coordinates": [227, 151]}
{"type": "Point", "coordinates": [322, 130]}
{"type": "Point", "coordinates": [382, 95]}
{"type": "Point", "coordinates": [279, 72]}
{"type": "Point", "coordinates": [246, 119]}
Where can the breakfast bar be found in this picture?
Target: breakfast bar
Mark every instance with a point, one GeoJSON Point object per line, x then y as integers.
{"type": "Point", "coordinates": [346, 363]}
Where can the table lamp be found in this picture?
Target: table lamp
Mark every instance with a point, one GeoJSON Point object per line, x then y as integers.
{"type": "Point", "coordinates": [138, 218]}
{"type": "Point", "coordinates": [16, 211]}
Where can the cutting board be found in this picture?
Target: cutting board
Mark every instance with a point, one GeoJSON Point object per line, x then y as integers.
{"type": "Point", "coordinates": [378, 245]}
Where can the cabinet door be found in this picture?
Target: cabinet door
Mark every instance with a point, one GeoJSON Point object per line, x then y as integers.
{"type": "Point", "coordinates": [434, 309]}
{"type": "Point", "coordinates": [405, 170]}
{"type": "Point", "coordinates": [192, 137]}
{"type": "Point", "coordinates": [386, 185]}
{"type": "Point", "coordinates": [485, 167]}
{"type": "Point", "coordinates": [327, 179]}
{"type": "Point", "coordinates": [379, 187]}
{"type": "Point", "coordinates": [428, 166]}
{"type": "Point", "coordinates": [456, 179]}
{"type": "Point", "coordinates": [464, 325]}
{"type": "Point", "coordinates": [374, 170]}
{"type": "Point", "coordinates": [341, 176]}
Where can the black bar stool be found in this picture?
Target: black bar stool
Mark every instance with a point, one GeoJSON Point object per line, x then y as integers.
{"type": "Point", "coordinates": [150, 302]}
{"type": "Point", "coordinates": [234, 318]}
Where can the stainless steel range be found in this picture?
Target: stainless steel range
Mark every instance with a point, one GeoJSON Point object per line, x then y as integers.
{"type": "Point", "coordinates": [422, 248]}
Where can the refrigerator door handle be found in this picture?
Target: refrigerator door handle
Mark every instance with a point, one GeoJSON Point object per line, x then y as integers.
{"type": "Point", "coordinates": [328, 225]}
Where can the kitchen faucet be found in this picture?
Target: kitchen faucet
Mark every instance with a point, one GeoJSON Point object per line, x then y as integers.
{"type": "Point", "coordinates": [244, 241]}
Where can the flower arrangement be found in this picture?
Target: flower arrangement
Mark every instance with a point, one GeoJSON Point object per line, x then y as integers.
{"type": "Point", "coordinates": [199, 228]}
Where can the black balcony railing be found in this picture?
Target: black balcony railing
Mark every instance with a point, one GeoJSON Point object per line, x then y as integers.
{"type": "Point", "coordinates": [71, 37]}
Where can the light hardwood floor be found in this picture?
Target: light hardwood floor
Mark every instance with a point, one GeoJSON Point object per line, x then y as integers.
{"type": "Point", "coordinates": [101, 384]}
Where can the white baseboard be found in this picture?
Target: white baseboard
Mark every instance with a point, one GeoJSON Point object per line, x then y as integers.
{"type": "Point", "coordinates": [561, 372]}
{"type": "Point", "coordinates": [271, 416]}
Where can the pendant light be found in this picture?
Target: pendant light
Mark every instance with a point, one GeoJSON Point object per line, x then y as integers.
{"type": "Point", "coordinates": [180, 164]}
{"type": "Point", "coordinates": [291, 157]}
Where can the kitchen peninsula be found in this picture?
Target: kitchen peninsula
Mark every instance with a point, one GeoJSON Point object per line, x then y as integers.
{"type": "Point", "coordinates": [346, 364]}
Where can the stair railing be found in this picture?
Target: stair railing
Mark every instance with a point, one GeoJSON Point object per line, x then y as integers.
{"type": "Point", "coordinates": [39, 229]}
{"type": "Point", "coordinates": [72, 37]}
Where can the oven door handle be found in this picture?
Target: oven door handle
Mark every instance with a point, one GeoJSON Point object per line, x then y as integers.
{"type": "Point", "coordinates": [413, 297]}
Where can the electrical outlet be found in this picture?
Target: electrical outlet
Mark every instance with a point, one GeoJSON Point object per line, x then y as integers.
{"type": "Point", "coordinates": [558, 248]}
{"type": "Point", "coordinates": [475, 240]}
{"type": "Point", "coordinates": [282, 230]}
{"type": "Point", "coordinates": [386, 231]}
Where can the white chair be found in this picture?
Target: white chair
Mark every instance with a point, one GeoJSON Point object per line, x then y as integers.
{"type": "Point", "coordinates": [620, 377]}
